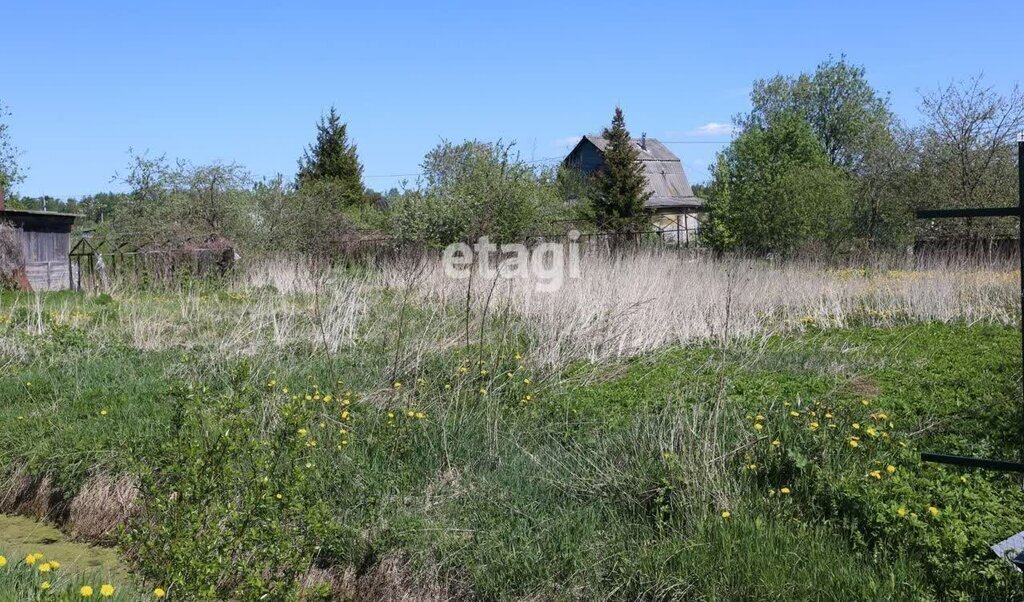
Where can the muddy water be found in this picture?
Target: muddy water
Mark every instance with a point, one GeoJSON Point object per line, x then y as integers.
{"type": "Point", "coordinates": [20, 536]}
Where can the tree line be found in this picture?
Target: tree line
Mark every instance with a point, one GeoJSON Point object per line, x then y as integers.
{"type": "Point", "coordinates": [820, 162]}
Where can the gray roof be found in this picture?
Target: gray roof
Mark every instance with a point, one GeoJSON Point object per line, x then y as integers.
{"type": "Point", "coordinates": [666, 180]}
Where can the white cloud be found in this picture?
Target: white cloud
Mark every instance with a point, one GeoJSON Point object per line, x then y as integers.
{"type": "Point", "coordinates": [713, 128]}
{"type": "Point", "coordinates": [565, 143]}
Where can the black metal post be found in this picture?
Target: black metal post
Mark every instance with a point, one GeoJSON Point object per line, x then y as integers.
{"type": "Point", "coordinates": [1020, 244]}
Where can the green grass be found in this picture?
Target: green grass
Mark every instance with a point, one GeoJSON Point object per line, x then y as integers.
{"type": "Point", "coordinates": [594, 482]}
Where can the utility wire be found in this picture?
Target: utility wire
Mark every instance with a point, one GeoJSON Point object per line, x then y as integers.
{"type": "Point", "coordinates": [546, 159]}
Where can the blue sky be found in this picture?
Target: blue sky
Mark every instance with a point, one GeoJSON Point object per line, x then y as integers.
{"type": "Point", "coordinates": [246, 81]}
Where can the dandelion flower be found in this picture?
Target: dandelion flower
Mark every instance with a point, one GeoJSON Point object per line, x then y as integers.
{"type": "Point", "coordinates": [794, 413]}
{"type": "Point", "coordinates": [876, 474]}
{"type": "Point", "coordinates": [397, 385]}
{"type": "Point", "coordinates": [864, 402]}
{"type": "Point", "coordinates": [103, 412]}
{"type": "Point", "coordinates": [776, 443]}
{"type": "Point", "coordinates": [32, 558]}
{"type": "Point", "coordinates": [759, 417]}
{"type": "Point", "coordinates": [856, 426]}
{"type": "Point", "coordinates": [410, 413]}
{"type": "Point", "coordinates": [86, 591]}
{"type": "Point", "coordinates": [420, 415]}
{"type": "Point", "coordinates": [752, 467]}
{"type": "Point", "coordinates": [3, 561]}
{"type": "Point", "coordinates": [854, 443]}
{"type": "Point", "coordinates": [54, 565]}
{"type": "Point", "coordinates": [933, 510]}
{"type": "Point", "coordinates": [726, 514]}
{"type": "Point", "coordinates": [758, 426]}
{"type": "Point", "coordinates": [784, 491]}
{"type": "Point", "coordinates": [902, 512]}
{"type": "Point", "coordinates": [45, 567]}
{"type": "Point", "coordinates": [813, 426]}
{"type": "Point", "coordinates": [159, 593]}
{"type": "Point", "coordinates": [45, 585]}
{"type": "Point", "coordinates": [106, 590]}
{"type": "Point", "coordinates": [890, 469]}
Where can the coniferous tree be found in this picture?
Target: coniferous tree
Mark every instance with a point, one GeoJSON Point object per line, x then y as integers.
{"type": "Point", "coordinates": [621, 187]}
{"type": "Point", "coordinates": [332, 161]}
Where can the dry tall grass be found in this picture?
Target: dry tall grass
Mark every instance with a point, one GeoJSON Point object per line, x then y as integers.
{"type": "Point", "coordinates": [626, 305]}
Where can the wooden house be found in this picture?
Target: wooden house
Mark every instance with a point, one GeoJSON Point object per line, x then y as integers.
{"type": "Point", "coordinates": [672, 202]}
{"type": "Point", "coordinates": [46, 241]}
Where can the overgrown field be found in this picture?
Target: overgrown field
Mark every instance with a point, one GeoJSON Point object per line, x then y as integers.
{"type": "Point", "coordinates": [661, 428]}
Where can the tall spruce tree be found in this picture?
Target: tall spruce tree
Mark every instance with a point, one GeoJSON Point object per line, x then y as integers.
{"type": "Point", "coordinates": [332, 161]}
{"type": "Point", "coordinates": [621, 187]}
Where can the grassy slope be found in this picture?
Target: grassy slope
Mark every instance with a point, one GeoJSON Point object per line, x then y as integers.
{"type": "Point", "coordinates": [607, 482]}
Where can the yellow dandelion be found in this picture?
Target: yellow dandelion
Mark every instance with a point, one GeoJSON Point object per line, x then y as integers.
{"type": "Point", "coordinates": [726, 514]}
{"type": "Point", "coordinates": [3, 561]}
{"type": "Point", "coordinates": [876, 474]}
{"type": "Point", "coordinates": [106, 590]}
{"type": "Point", "coordinates": [447, 386]}
{"type": "Point", "coordinates": [933, 510]}
{"type": "Point", "coordinates": [752, 467]}
{"type": "Point", "coordinates": [890, 469]}
{"type": "Point", "coordinates": [784, 491]}
{"type": "Point", "coordinates": [759, 417]}
{"type": "Point", "coordinates": [159, 592]}
{"type": "Point", "coordinates": [32, 559]}
{"type": "Point", "coordinates": [45, 567]}
{"type": "Point", "coordinates": [902, 512]}
{"type": "Point", "coordinates": [85, 591]}
{"type": "Point", "coordinates": [526, 381]}
{"type": "Point", "coordinates": [794, 413]}
{"type": "Point", "coordinates": [864, 402]}
{"type": "Point", "coordinates": [397, 385]}
{"type": "Point", "coordinates": [856, 426]}
{"type": "Point", "coordinates": [813, 426]}
{"type": "Point", "coordinates": [103, 412]}
{"type": "Point", "coordinates": [776, 443]}
{"type": "Point", "coordinates": [45, 585]}
{"type": "Point", "coordinates": [420, 415]}
{"type": "Point", "coordinates": [54, 565]}
{"type": "Point", "coordinates": [854, 443]}
{"type": "Point", "coordinates": [828, 414]}
{"type": "Point", "coordinates": [758, 426]}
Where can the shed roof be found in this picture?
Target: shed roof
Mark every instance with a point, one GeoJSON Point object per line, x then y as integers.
{"type": "Point", "coordinates": [666, 179]}
{"type": "Point", "coordinates": [14, 212]}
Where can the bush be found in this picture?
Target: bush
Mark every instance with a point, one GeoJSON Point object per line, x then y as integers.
{"type": "Point", "coordinates": [12, 256]}
{"type": "Point", "coordinates": [476, 189]}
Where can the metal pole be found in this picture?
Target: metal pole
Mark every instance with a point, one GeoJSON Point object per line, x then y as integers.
{"type": "Point", "coordinates": [1020, 241]}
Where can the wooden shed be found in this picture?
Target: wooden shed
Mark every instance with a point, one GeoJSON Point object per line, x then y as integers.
{"type": "Point", "coordinates": [46, 240]}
